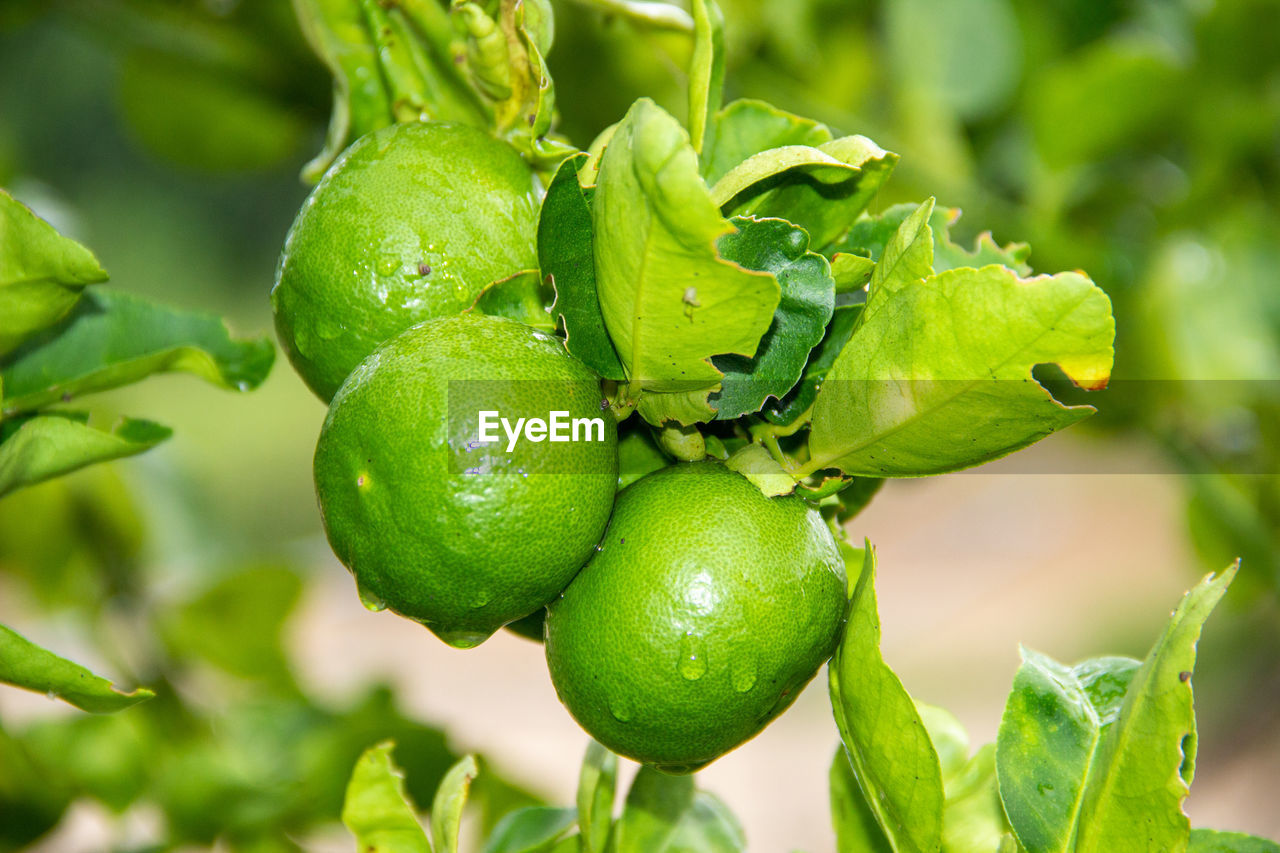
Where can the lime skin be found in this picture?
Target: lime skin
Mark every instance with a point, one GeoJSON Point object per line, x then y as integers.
{"type": "Point", "coordinates": [410, 223]}
{"type": "Point", "coordinates": [459, 535]}
{"type": "Point", "coordinates": [707, 611]}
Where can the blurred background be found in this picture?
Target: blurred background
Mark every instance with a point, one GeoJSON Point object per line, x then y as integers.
{"type": "Point", "coordinates": [1136, 139]}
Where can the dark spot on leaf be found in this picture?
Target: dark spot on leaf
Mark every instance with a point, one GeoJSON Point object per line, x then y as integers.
{"type": "Point", "coordinates": [1184, 676]}
{"type": "Point", "coordinates": [66, 396]}
{"type": "Point", "coordinates": [423, 269]}
{"type": "Point", "coordinates": [532, 118]}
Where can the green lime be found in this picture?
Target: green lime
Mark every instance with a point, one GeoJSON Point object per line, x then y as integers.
{"type": "Point", "coordinates": [412, 222]}
{"type": "Point", "coordinates": [462, 534]}
{"type": "Point", "coordinates": [706, 611]}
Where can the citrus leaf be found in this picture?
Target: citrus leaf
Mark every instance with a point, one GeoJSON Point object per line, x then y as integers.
{"type": "Point", "coordinates": [669, 301]}
{"type": "Point", "coordinates": [666, 813]}
{"type": "Point", "coordinates": [26, 665]}
{"type": "Point", "coordinates": [706, 69]}
{"type": "Point", "coordinates": [504, 55]}
{"type": "Point", "coordinates": [937, 375]}
{"type": "Point", "coordinates": [1212, 841]}
{"type": "Point", "coordinates": [1144, 765]}
{"type": "Point", "coordinates": [755, 463]}
{"type": "Point", "coordinates": [1086, 753]}
{"type": "Point", "coordinates": [377, 811]}
{"type": "Point", "coordinates": [747, 127]}
{"type": "Point", "coordinates": [889, 750]}
{"type": "Point", "coordinates": [521, 297]}
{"type": "Point", "coordinates": [597, 784]}
{"type": "Point", "coordinates": [808, 299]}
{"type": "Point", "coordinates": [565, 256]}
{"type": "Point", "coordinates": [41, 273]}
{"type": "Point", "coordinates": [112, 339]}
{"type": "Point", "coordinates": [446, 807]}
{"type": "Point", "coordinates": [851, 272]}
{"type": "Point", "coordinates": [37, 448]}
{"type": "Point", "coordinates": [851, 817]}
{"type": "Point", "coordinates": [973, 818]}
{"type": "Point", "coordinates": [421, 83]}
{"type": "Point", "coordinates": [337, 32]}
{"type": "Point", "coordinates": [822, 192]}
{"type": "Point", "coordinates": [799, 399]}
{"type": "Point", "coordinates": [950, 740]}
{"type": "Point", "coordinates": [534, 829]}
{"type": "Point", "coordinates": [870, 234]}
{"type": "Point", "coordinates": [1054, 720]}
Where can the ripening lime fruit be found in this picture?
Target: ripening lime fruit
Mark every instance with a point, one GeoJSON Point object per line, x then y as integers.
{"type": "Point", "coordinates": [704, 614]}
{"type": "Point", "coordinates": [459, 534]}
{"type": "Point", "coordinates": [410, 223]}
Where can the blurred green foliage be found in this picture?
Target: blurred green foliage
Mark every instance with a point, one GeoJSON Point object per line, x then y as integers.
{"type": "Point", "coordinates": [1137, 139]}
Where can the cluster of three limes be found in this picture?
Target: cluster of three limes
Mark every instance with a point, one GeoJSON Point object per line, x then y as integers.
{"type": "Point", "coordinates": [704, 606]}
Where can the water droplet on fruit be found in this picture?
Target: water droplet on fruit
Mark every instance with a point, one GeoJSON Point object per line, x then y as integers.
{"type": "Point", "coordinates": [693, 658]}
{"type": "Point", "coordinates": [327, 330]}
{"type": "Point", "coordinates": [742, 672]}
{"type": "Point", "coordinates": [388, 264]}
{"type": "Point", "coordinates": [620, 709]}
{"type": "Point", "coordinates": [371, 602]}
{"type": "Point", "coordinates": [463, 639]}
{"type": "Point", "coordinates": [481, 598]}
{"type": "Point", "coordinates": [51, 695]}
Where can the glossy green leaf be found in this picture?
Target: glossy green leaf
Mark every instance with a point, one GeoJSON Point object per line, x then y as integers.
{"type": "Point", "coordinates": [799, 400]}
{"type": "Point", "coordinates": [823, 196]}
{"type": "Point", "coordinates": [889, 749]}
{"type": "Point", "coordinates": [112, 339]}
{"type": "Point", "coordinates": [566, 257]}
{"type": "Point", "coordinates": [450, 799]}
{"type": "Point", "coordinates": [535, 829]}
{"type": "Point", "coordinates": [1212, 841]}
{"type": "Point", "coordinates": [1086, 753]}
{"type": "Point", "coordinates": [870, 234]}
{"type": "Point", "coordinates": [376, 809]}
{"type": "Point", "coordinates": [26, 665]}
{"type": "Point", "coordinates": [851, 817]}
{"type": "Point", "coordinates": [669, 301]}
{"type": "Point", "coordinates": [973, 819]}
{"type": "Point", "coordinates": [42, 273]}
{"type": "Point", "coordinates": [666, 813]}
{"type": "Point", "coordinates": [851, 272]}
{"type": "Point", "coordinates": [755, 463]}
{"type": "Point", "coordinates": [522, 297]}
{"type": "Point", "coordinates": [937, 375]}
{"type": "Point", "coordinates": [597, 785]}
{"type": "Point", "coordinates": [1051, 729]}
{"type": "Point", "coordinates": [808, 299]}
{"type": "Point", "coordinates": [747, 127]}
{"type": "Point", "coordinates": [706, 69]}
{"type": "Point", "coordinates": [37, 448]}
{"type": "Point", "coordinates": [1144, 765]}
